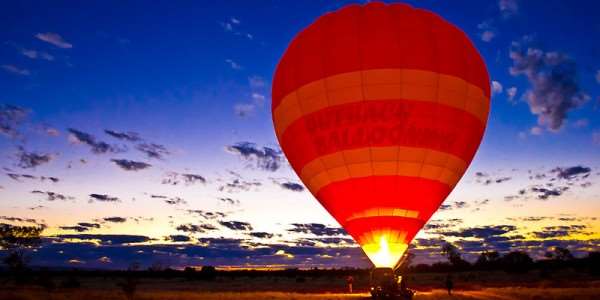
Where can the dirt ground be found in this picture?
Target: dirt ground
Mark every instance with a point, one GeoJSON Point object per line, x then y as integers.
{"type": "Point", "coordinates": [468, 285]}
{"type": "Point", "coordinates": [487, 293]}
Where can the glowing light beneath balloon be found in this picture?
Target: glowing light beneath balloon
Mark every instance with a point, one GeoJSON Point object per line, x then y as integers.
{"type": "Point", "coordinates": [384, 254]}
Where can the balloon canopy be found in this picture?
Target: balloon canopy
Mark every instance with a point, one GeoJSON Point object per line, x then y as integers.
{"type": "Point", "coordinates": [380, 109]}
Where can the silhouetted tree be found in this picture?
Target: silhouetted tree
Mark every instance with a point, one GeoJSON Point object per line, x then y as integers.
{"type": "Point", "coordinates": [454, 257]}
{"type": "Point", "coordinates": [560, 254]}
{"type": "Point", "coordinates": [516, 262]}
{"type": "Point", "coordinates": [17, 239]}
{"type": "Point", "coordinates": [592, 262]}
{"type": "Point", "coordinates": [487, 260]}
{"type": "Point", "coordinates": [129, 286]}
{"type": "Point", "coordinates": [208, 273]}
{"type": "Point", "coordinates": [156, 266]}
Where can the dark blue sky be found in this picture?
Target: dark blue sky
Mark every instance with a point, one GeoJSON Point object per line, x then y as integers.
{"type": "Point", "coordinates": [192, 79]}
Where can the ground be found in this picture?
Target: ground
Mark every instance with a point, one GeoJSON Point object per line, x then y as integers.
{"type": "Point", "coordinates": [487, 293]}
{"type": "Point", "coordinates": [469, 285]}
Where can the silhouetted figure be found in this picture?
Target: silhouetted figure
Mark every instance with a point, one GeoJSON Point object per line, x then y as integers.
{"type": "Point", "coordinates": [449, 284]}
{"type": "Point", "coordinates": [349, 281]}
{"type": "Point", "coordinates": [403, 284]}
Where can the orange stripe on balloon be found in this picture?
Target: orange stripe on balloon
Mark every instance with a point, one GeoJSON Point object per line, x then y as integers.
{"type": "Point", "coordinates": [379, 161]}
{"type": "Point", "coordinates": [383, 123]}
{"type": "Point", "coordinates": [380, 84]}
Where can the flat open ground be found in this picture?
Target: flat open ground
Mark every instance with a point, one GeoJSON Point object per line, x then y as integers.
{"type": "Point", "coordinates": [486, 293]}
{"type": "Point", "coordinates": [469, 285]}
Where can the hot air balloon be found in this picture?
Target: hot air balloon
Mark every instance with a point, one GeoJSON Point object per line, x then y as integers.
{"type": "Point", "coordinates": [380, 109]}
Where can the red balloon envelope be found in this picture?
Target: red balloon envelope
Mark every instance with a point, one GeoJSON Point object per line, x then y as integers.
{"type": "Point", "coordinates": [380, 110]}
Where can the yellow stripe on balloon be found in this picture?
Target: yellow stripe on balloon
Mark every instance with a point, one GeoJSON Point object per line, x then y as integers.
{"type": "Point", "coordinates": [381, 161]}
{"type": "Point", "coordinates": [381, 84]}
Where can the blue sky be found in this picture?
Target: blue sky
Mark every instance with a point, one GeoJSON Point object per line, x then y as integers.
{"type": "Point", "coordinates": [192, 80]}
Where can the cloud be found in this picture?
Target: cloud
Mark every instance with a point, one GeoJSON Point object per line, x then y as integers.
{"type": "Point", "coordinates": [508, 8]}
{"type": "Point", "coordinates": [54, 39]}
{"type": "Point", "coordinates": [175, 201]}
{"type": "Point", "coordinates": [445, 207]}
{"type": "Point", "coordinates": [103, 198]}
{"type": "Point", "coordinates": [530, 218]}
{"type": "Point", "coordinates": [511, 93]}
{"type": "Point", "coordinates": [554, 88]}
{"type": "Point", "coordinates": [460, 204]}
{"type": "Point", "coordinates": [208, 215]}
{"type": "Point", "coordinates": [23, 220]}
{"type": "Point", "coordinates": [81, 227]}
{"type": "Point", "coordinates": [49, 131]}
{"type": "Point", "coordinates": [11, 117]}
{"type": "Point", "coordinates": [153, 150]}
{"type": "Point", "coordinates": [16, 70]}
{"type": "Point", "coordinates": [106, 239]}
{"type": "Point", "coordinates": [483, 232]}
{"type": "Point", "coordinates": [317, 229]}
{"type": "Point", "coordinates": [193, 178]}
{"type": "Point", "coordinates": [292, 186]}
{"type": "Point", "coordinates": [130, 165]}
{"type": "Point", "coordinates": [536, 130]}
{"type": "Point", "coordinates": [237, 185]}
{"type": "Point", "coordinates": [75, 228]}
{"type": "Point", "coordinates": [487, 179]}
{"type": "Point", "coordinates": [233, 64]}
{"type": "Point", "coordinates": [258, 98]}
{"type": "Point", "coordinates": [558, 231]}
{"type": "Point", "coordinates": [487, 35]}
{"type": "Point", "coordinates": [581, 123]}
{"type": "Point", "coordinates": [261, 235]}
{"type": "Point", "coordinates": [244, 110]}
{"type": "Point", "coordinates": [596, 137]}
{"type": "Point", "coordinates": [232, 25]}
{"type": "Point", "coordinates": [266, 158]}
{"type": "Point", "coordinates": [18, 177]}
{"type": "Point", "coordinates": [546, 193]}
{"type": "Point", "coordinates": [571, 173]}
{"type": "Point", "coordinates": [31, 53]}
{"type": "Point", "coordinates": [174, 178]}
{"type": "Point", "coordinates": [486, 30]}
{"type": "Point", "coordinates": [327, 241]}
{"type": "Point", "coordinates": [257, 82]}
{"type": "Point", "coordinates": [97, 147]}
{"type": "Point", "coordinates": [196, 228]}
{"type": "Point", "coordinates": [115, 219]}
{"type": "Point", "coordinates": [51, 196]}
{"type": "Point", "coordinates": [125, 136]}
{"type": "Point", "coordinates": [34, 54]}
{"type": "Point", "coordinates": [496, 87]}
{"type": "Point", "coordinates": [228, 200]}
{"type": "Point", "coordinates": [236, 225]}
{"type": "Point", "coordinates": [28, 160]}
{"type": "Point", "coordinates": [178, 238]}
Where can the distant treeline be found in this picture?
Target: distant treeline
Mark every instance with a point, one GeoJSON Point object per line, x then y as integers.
{"type": "Point", "coordinates": [512, 262]}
